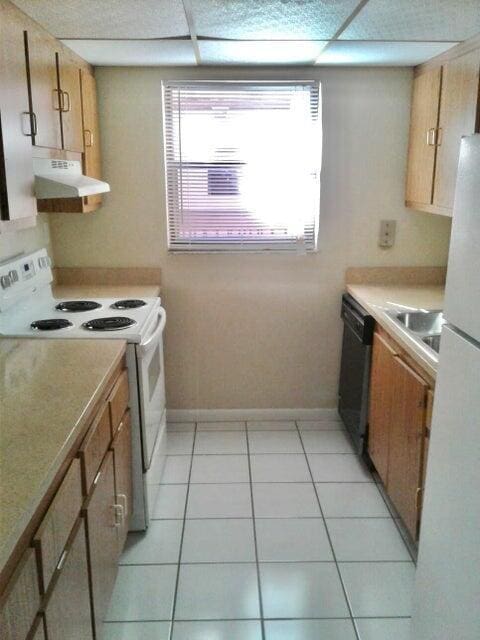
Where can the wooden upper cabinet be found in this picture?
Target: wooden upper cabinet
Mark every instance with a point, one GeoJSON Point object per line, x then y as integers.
{"type": "Point", "coordinates": [17, 202]}
{"type": "Point", "coordinates": [445, 107]}
{"type": "Point", "coordinates": [71, 111]}
{"type": "Point", "coordinates": [407, 431]}
{"type": "Point", "coordinates": [458, 114]}
{"type": "Point", "coordinates": [45, 97]}
{"type": "Point", "coordinates": [91, 133]}
{"type": "Point", "coordinates": [423, 127]}
{"type": "Point", "coordinates": [381, 391]}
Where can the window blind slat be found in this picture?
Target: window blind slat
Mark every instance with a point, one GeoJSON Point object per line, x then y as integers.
{"type": "Point", "coordinates": [242, 165]}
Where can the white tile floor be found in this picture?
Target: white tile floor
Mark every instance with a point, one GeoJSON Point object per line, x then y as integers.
{"type": "Point", "coordinates": [264, 531]}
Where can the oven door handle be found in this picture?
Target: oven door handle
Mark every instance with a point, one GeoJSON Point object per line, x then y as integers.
{"type": "Point", "coordinates": [144, 347]}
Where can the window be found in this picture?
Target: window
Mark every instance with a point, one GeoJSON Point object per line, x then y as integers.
{"type": "Point", "coordinates": [243, 165]}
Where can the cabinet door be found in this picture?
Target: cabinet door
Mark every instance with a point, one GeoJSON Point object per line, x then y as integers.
{"type": "Point", "coordinates": [44, 92]}
{"type": "Point", "coordinates": [71, 113]}
{"type": "Point", "coordinates": [421, 148]}
{"type": "Point", "coordinates": [91, 134]}
{"type": "Point", "coordinates": [67, 612]}
{"type": "Point", "coordinates": [407, 430]}
{"type": "Point", "coordinates": [381, 392]}
{"type": "Point", "coordinates": [102, 540]}
{"type": "Point", "coordinates": [458, 114]}
{"type": "Point", "coordinates": [20, 601]}
{"type": "Point", "coordinates": [122, 450]}
{"type": "Point", "coordinates": [16, 171]}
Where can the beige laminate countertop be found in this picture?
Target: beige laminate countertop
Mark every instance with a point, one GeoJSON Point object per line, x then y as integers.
{"type": "Point", "coordinates": [106, 291]}
{"type": "Point", "coordinates": [377, 299]}
{"type": "Point", "coordinates": [48, 388]}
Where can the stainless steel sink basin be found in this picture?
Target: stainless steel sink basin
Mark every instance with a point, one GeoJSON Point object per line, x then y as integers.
{"type": "Point", "coordinates": [432, 341]}
{"type": "Point", "coordinates": [425, 323]}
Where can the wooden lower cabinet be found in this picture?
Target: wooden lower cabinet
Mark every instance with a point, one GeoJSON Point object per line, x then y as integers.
{"type": "Point", "coordinates": [407, 430]}
{"type": "Point", "coordinates": [381, 385]}
{"type": "Point", "coordinates": [21, 599]}
{"type": "Point", "coordinates": [102, 524]}
{"type": "Point", "coordinates": [67, 610]}
{"type": "Point", "coordinates": [122, 452]}
{"type": "Point", "coordinates": [397, 428]}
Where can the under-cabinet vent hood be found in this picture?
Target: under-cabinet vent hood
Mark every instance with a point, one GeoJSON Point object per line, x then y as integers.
{"type": "Point", "coordinates": [64, 179]}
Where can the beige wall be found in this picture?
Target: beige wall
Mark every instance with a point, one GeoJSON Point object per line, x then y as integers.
{"type": "Point", "coordinates": [26, 240]}
{"type": "Point", "coordinates": [256, 331]}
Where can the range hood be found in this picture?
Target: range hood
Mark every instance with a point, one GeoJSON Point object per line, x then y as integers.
{"type": "Point", "coordinates": [64, 179]}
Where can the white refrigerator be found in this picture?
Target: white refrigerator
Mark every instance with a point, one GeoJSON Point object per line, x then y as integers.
{"type": "Point", "coordinates": [447, 589]}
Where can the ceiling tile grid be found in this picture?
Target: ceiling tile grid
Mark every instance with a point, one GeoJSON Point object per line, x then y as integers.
{"type": "Point", "coordinates": [108, 18]}
{"type": "Point", "coordinates": [270, 19]}
{"type": "Point", "coordinates": [423, 20]}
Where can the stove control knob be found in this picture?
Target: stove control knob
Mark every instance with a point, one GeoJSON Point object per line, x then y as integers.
{"type": "Point", "coordinates": [13, 275]}
{"type": "Point", "coordinates": [5, 282]}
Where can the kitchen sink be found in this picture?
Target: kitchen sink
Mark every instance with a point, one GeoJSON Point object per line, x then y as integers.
{"type": "Point", "coordinates": [432, 341]}
{"type": "Point", "coordinates": [426, 323]}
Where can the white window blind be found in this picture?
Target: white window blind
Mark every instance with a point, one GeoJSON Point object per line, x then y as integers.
{"type": "Point", "coordinates": [243, 165]}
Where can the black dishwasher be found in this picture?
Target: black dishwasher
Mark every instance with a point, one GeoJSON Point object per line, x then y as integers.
{"type": "Point", "coordinates": [355, 369]}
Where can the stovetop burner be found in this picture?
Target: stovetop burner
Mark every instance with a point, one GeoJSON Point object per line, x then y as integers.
{"type": "Point", "coordinates": [78, 305]}
{"type": "Point", "coordinates": [128, 304]}
{"type": "Point", "coordinates": [109, 324]}
{"type": "Point", "coordinates": [51, 324]}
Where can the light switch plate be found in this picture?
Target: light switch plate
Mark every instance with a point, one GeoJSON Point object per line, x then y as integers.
{"type": "Point", "coordinates": [387, 233]}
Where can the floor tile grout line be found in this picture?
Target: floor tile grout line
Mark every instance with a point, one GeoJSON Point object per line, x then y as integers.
{"type": "Point", "coordinates": [345, 594]}
{"type": "Point", "coordinates": [177, 580]}
{"type": "Point", "coordinates": [259, 584]}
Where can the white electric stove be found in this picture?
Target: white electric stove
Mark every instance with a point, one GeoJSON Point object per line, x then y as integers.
{"type": "Point", "coordinates": [29, 310]}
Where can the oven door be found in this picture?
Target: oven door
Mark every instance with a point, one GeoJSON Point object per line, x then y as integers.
{"type": "Point", "coordinates": [151, 384]}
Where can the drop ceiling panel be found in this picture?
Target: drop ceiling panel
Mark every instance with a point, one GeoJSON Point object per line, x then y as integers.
{"type": "Point", "coordinates": [381, 53]}
{"type": "Point", "coordinates": [423, 20]}
{"type": "Point", "coordinates": [108, 18]}
{"type": "Point", "coordinates": [121, 53]}
{"type": "Point", "coordinates": [223, 52]}
{"type": "Point", "coordinates": [270, 19]}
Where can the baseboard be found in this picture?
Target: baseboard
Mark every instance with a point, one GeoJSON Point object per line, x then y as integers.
{"type": "Point", "coordinates": [220, 415]}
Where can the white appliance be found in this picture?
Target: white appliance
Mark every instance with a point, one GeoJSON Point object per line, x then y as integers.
{"type": "Point", "coordinates": [64, 179]}
{"type": "Point", "coordinates": [29, 310]}
{"type": "Point", "coordinates": [447, 590]}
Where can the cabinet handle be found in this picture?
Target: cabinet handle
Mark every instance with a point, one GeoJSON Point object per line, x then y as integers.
{"type": "Point", "coordinates": [97, 478]}
{"type": "Point", "coordinates": [32, 123]}
{"type": "Point", "coordinates": [57, 99]}
{"type": "Point", "coordinates": [123, 498]}
{"type": "Point", "coordinates": [61, 562]}
{"type": "Point", "coordinates": [119, 515]}
{"type": "Point", "coordinates": [418, 499]}
{"type": "Point", "coordinates": [88, 137]}
{"type": "Point", "coordinates": [65, 95]}
{"type": "Point", "coordinates": [431, 137]}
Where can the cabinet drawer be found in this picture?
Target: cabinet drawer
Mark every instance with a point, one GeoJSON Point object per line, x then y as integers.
{"type": "Point", "coordinates": [94, 447]}
{"type": "Point", "coordinates": [52, 535]}
{"type": "Point", "coordinates": [21, 600]}
{"type": "Point", "coordinates": [118, 400]}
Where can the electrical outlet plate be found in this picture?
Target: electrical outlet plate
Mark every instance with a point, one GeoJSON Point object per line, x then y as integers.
{"type": "Point", "coordinates": [387, 233]}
